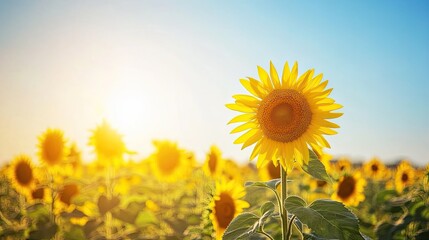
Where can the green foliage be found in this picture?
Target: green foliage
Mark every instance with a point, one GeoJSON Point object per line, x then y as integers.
{"type": "Point", "coordinates": [326, 218]}
{"type": "Point", "coordinates": [316, 168]}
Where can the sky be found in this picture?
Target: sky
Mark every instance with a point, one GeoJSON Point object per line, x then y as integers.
{"type": "Point", "coordinates": [165, 70]}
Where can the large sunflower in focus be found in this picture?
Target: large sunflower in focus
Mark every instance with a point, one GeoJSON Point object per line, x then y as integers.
{"type": "Point", "coordinates": [226, 205]}
{"type": "Point", "coordinates": [284, 116]}
{"type": "Point", "coordinates": [214, 162]}
{"type": "Point", "coordinates": [52, 149]}
{"type": "Point", "coordinates": [404, 176]}
{"type": "Point", "coordinates": [107, 142]}
{"type": "Point", "coordinates": [22, 174]}
{"type": "Point", "coordinates": [169, 162]}
{"type": "Point", "coordinates": [350, 189]}
{"type": "Point", "coordinates": [375, 169]}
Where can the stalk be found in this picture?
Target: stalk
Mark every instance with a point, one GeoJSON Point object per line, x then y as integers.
{"type": "Point", "coordinates": [283, 210]}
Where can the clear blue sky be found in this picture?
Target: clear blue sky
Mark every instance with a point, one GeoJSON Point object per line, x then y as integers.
{"type": "Point", "coordinates": [165, 69]}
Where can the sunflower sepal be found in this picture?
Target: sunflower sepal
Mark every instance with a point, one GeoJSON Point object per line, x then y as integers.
{"type": "Point", "coordinates": [326, 218]}
{"type": "Point", "coordinates": [316, 169]}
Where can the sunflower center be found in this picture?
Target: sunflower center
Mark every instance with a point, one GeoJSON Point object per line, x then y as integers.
{"type": "Point", "coordinates": [374, 168]}
{"type": "Point", "coordinates": [23, 173]}
{"type": "Point", "coordinates": [346, 187]}
{"type": "Point", "coordinates": [68, 192]}
{"type": "Point", "coordinates": [321, 183]}
{"type": "Point", "coordinates": [273, 170]}
{"type": "Point", "coordinates": [284, 115]}
{"type": "Point", "coordinates": [212, 162]}
{"type": "Point", "coordinates": [38, 193]}
{"type": "Point", "coordinates": [225, 210]}
{"type": "Point", "coordinates": [404, 177]}
{"type": "Point", "coordinates": [53, 148]}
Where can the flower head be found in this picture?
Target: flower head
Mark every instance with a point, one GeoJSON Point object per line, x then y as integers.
{"type": "Point", "coordinates": [107, 142]}
{"type": "Point", "coordinates": [404, 176]}
{"type": "Point", "coordinates": [22, 174]}
{"type": "Point", "coordinates": [375, 169]}
{"type": "Point", "coordinates": [284, 116]}
{"type": "Point", "coordinates": [214, 162]}
{"type": "Point", "coordinates": [350, 189]}
{"type": "Point", "coordinates": [169, 162]}
{"type": "Point", "coordinates": [226, 205]}
{"type": "Point", "coordinates": [52, 149]}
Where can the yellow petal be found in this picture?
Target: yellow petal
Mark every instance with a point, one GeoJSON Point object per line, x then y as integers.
{"type": "Point", "coordinates": [244, 126]}
{"type": "Point", "coordinates": [263, 75]}
{"type": "Point", "coordinates": [239, 108]}
{"type": "Point", "coordinates": [246, 136]}
{"type": "Point", "coordinates": [252, 140]}
{"type": "Point", "coordinates": [248, 87]}
{"type": "Point", "coordinates": [294, 73]}
{"type": "Point", "coordinates": [285, 76]}
{"type": "Point", "coordinates": [242, 118]}
{"type": "Point", "coordinates": [274, 76]}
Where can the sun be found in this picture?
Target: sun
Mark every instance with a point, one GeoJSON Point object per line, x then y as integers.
{"type": "Point", "coordinates": [127, 111]}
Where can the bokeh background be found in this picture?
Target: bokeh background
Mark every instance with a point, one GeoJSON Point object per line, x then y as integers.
{"type": "Point", "coordinates": [165, 69]}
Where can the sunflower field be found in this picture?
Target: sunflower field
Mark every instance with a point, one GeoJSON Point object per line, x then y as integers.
{"type": "Point", "coordinates": [294, 190]}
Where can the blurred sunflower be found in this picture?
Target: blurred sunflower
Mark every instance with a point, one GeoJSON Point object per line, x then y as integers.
{"type": "Point", "coordinates": [22, 174]}
{"type": "Point", "coordinates": [40, 194]}
{"type": "Point", "coordinates": [52, 149]}
{"type": "Point", "coordinates": [350, 189]}
{"type": "Point", "coordinates": [269, 171]}
{"type": "Point", "coordinates": [405, 176]}
{"type": "Point", "coordinates": [375, 169]}
{"type": "Point", "coordinates": [107, 143]}
{"type": "Point", "coordinates": [65, 196]}
{"type": "Point", "coordinates": [226, 204]}
{"type": "Point", "coordinates": [343, 165]}
{"type": "Point", "coordinates": [214, 163]}
{"type": "Point", "coordinates": [169, 163]}
{"type": "Point", "coordinates": [231, 171]}
{"type": "Point", "coordinates": [283, 116]}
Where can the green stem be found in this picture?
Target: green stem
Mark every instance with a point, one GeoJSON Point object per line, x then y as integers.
{"type": "Point", "coordinates": [289, 233]}
{"type": "Point", "coordinates": [284, 218]}
{"type": "Point", "coordinates": [266, 234]}
{"type": "Point", "coordinates": [108, 216]}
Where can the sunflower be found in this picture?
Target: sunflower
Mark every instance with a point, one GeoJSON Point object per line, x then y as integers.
{"type": "Point", "coordinates": [169, 163]}
{"type": "Point", "coordinates": [231, 171]}
{"type": "Point", "coordinates": [269, 171]}
{"type": "Point", "coordinates": [107, 143]}
{"type": "Point", "coordinates": [343, 165]}
{"type": "Point", "coordinates": [52, 149]}
{"type": "Point", "coordinates": [226, 205]}
{"type": "Point", "coordinates": [22, 174]}
{"type": "Point", "coordinates": [282, 117]}
{"type": "Point", "coordinates": [213, 165]}
{"type": "Point", "coordinates": [350, 189]}
{"type": "Point", "coordinates": [40, 194]}
{"type": "Point", "coordinates": [375, 169]}
{"type": "Point", "coordinates": [404, 176]}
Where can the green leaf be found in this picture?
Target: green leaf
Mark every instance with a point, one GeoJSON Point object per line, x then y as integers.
{"type": "Point", "coordinates": [316, 168]}
{"type": "Point", "coordinates": [272, 184]}
{"type": "Point", "coordinates": [326, 218]}
{"type": "Point", "coordinates": [267, 206]}
{"type": "Point", "coordinates": [241, 227]}
{"type": "Point", "coordinates": [267, 210]}
{"type": "Point", "coordinates": [294, 202]}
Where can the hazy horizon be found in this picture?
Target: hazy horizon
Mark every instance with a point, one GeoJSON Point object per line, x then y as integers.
{"type": "Point", "coordinates": [165, 70]}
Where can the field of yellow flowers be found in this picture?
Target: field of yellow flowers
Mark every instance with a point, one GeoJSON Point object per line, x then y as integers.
{"type": "Point", "coordinates": [290, 193]}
